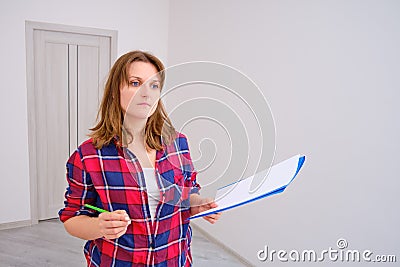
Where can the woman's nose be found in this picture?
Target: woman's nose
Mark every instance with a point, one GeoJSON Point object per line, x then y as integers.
{"type": "Point", "coordinates": [144, 90]}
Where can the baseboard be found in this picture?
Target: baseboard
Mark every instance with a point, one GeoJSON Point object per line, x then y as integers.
{"type": "Point", "coordinates": [11, 225]}
{"type": "Point", "coordinates": [222, 245]}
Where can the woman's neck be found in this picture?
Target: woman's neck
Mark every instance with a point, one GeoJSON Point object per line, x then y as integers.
{"type": "Point", "coordinates": [135, 127]}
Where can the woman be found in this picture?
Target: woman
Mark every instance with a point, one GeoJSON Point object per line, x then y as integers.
{"type": "Point", "coordinates": [138, 168]}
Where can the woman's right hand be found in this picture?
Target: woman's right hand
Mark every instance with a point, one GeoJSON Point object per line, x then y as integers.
{"type": "Point", "coordinates": [113, 224]}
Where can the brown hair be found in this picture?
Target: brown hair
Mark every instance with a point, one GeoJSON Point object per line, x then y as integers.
{"type": "Point", "coordinates": [110, 115]}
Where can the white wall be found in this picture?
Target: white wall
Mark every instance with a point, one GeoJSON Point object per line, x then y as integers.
{"type": "Point", "coordinates": [330, 71]}
{"type": "Point", "coordinates": [140, 25]}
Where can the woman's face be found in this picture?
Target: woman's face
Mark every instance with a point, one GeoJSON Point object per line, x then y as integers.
{"type": "Point", "coordinates": [140, 97]}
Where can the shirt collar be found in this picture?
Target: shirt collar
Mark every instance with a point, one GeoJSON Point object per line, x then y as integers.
{"type": "Point", "coordinates": [116, 141]}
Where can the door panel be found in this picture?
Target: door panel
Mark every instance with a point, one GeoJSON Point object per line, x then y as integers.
{"type": "Point", "coordinates": [88, 92]}
{"type": "Point", "coordinates": [73, 96]}
{"type": "Point", "coordinates": [56, 124]}
{"type": "Point", "coordinates": [69, 75]}
{"type": "Point", "coordinates": [52, 123]}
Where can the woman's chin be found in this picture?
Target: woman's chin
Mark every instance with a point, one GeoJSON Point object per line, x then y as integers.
{"type": "Point", "coordinates": [137, 115]}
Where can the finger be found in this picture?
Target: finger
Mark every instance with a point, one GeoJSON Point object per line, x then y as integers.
{"type": "Point", "coordinates": [211, 216]}
{"type": "Point", "coordinates": [115, 233]}
{"type": "Point", "coordinates": [214, 216]}
{"type": "Point", "coordinates": [114, 216]}
{"type": "Point", "coordinates": [115, 224]}
{"type": "Point", "coordinates": [210, 220]}
{"type": "Point", "coordinates": [218, 214]}
{"type": "Point", "coordinates": [108, 230]}
{"type": "Point", "coordinates": [125, 214]}
{"type": "Point", "coordinates": [210, 203]}
{"type": "Point", "coordinates": [208, 200]}
{"type": "Point", "coordinates": [122, 213]}
{"type": "Point", "coordinates": [111, 216]}
{"type": "Point", "coordinates": [213, 205]}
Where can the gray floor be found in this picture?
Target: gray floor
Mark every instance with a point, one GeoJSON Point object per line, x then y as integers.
{"type": "Point", "coordinates": [47, 244]}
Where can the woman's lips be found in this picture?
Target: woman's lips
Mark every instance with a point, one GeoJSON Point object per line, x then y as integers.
{"type": "Point", "coordinates": [144, 104]}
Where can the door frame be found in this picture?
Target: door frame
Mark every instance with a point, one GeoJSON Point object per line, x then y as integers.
{"type": "Point", "coordinates": [30, 27]}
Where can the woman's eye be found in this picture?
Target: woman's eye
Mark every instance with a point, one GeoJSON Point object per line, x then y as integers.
{"type": "Point", "coordinates": [155, 86]}
{"type": "Point", "coordinates": [135, 83]}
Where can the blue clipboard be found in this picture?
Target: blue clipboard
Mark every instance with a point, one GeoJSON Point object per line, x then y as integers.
{"type": "Point", "coordinates": [236, 194]}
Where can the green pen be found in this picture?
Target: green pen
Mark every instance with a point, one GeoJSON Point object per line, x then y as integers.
{"type": "Point", "coordinates": [95, 208]}
{"type": "Point", "coordinates": [101, 210]}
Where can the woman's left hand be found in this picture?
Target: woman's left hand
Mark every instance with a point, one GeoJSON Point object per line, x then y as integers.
{"type": "Point", "coordinates": [199, 204]}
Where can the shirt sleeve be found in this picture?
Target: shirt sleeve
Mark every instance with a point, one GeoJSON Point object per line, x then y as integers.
{"type": "Point", "coordinates": [80, 190]}
{"type": "Point", "coordinates": [189, 170]}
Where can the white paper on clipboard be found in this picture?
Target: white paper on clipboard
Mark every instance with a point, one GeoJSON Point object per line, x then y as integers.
{"type": "Point", "coordinates": [238, 193]}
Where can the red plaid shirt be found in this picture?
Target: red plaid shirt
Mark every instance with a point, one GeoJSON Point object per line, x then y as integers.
{"type": "Point", "coordinates": [112, 178]}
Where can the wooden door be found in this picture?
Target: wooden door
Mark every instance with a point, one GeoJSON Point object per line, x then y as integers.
{"type": "Point", "coordinates": [70, 71]}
